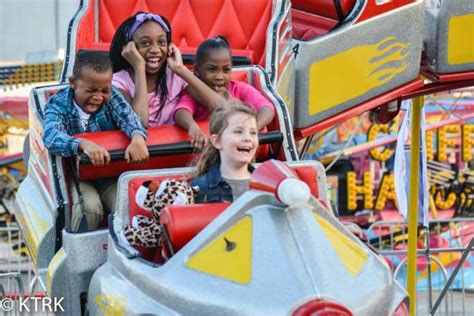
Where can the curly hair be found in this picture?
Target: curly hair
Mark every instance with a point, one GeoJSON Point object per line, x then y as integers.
{"type": "Point", "coordinates": [97, 61]}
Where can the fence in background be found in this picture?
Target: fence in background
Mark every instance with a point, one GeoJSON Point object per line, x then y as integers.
{"type": "Point", "coordinates": [439, 252]}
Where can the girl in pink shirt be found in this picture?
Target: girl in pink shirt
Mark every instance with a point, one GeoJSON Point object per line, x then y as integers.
{"type": "Point", "coordinates": [213, 65]}
{"type": "Point", "coordinates": [149, 70]}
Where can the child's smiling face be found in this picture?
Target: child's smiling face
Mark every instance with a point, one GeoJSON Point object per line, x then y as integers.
{"type": "Point", "coordinates": [91, 89]}
{"type": "Point", "coordinates": [216, 69]}
{"type": "Point", "coordinates": [238, 142]}
{"type": "Point", "coordinates": [152, 44]}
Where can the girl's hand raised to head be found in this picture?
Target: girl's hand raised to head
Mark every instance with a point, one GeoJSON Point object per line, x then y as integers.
{"type": "Point", "coordinates": [175, 61]}
{"type": "Point", "coordinates": [131, 54]}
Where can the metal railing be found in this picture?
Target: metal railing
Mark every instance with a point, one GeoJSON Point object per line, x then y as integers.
{"type": "Point", "coordinates": [16, 269]}
{"type": "Point", "coordinates": [443, 274]}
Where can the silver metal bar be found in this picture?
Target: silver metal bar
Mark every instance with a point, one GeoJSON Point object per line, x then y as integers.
{"type": "Point", "coordinates": [428, 260]}
{"type": "Point", "coordinates": [96, 21]}
{"type": "Point", "coordinates": [469, 248]}
{"type": "Point", "coordinates": [306, 145]}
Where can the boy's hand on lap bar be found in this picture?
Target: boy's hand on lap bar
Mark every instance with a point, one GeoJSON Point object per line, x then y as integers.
{"type": "Point", "coordinates": [137, 151]}
{"type": "Point", "coordinates": [98, 155]}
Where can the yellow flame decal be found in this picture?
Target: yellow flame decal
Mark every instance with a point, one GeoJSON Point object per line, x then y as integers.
{"type": "Point", "coordinates": [34, 229]}
{"type": "Point", "coordinates": [110, 305]}
{"type": "Point", "coordinates": [461, 39]}
{"type": "Point", "coordinates": [354, 72]}
{"type": "Point", "coordinates": [53, 266]}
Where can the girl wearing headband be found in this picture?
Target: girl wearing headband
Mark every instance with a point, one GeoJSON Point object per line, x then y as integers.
{"type": "Point", "coordinates": [149, 70]}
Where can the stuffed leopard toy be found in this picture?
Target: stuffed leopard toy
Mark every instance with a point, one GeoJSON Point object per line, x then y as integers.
{"type": "Point", "coordinates": [145, 231]}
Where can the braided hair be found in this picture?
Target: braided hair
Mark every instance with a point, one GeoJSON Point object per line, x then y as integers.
{"type": "Point", "coordinates": [120, 63]}
{"type": "Point", "coordinates": [216, 42]}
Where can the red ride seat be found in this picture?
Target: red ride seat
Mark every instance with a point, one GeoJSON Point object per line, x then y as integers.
{"type": "Point", "coordinates": [182, 222]}
{"type": "Point", "coordinates": [185, 221]}
{"type": "Point", "coordinates": [151, 254]}
{"type": "Point", "coordinates": [313, 18]}
{"type": "Point", "coordinates": [307, 26]}
{"type": "Point", "coordinates": [244, 23]}
{"type": "Point", "coordinates": [326, 8]}
{"type": "Point", "coordinates": [135, 184]}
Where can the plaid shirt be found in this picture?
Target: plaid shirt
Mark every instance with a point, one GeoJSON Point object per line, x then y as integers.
{"type": "Point", "coordinates": [61, 121]}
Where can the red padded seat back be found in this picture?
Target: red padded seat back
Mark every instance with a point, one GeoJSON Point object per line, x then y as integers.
{"type": "Point", "coordinates": [307, 26]}
{"type": "Point", "coordinates": [184, 222]}
{"type": "Point", "coordinates": [313, 18]}
{"type": "Point", "coordinates": [243, 22]}
{"type": "Point", "coordinates": [305, 173]}
{"type": "Point", "coordinates": [240, 76]}
{"type": "Point", "coordinates": [133, 186]}
{"type": "Point", "coordinates": [325, 8]}
{"type": "Point", "coordinates": [151, 254]}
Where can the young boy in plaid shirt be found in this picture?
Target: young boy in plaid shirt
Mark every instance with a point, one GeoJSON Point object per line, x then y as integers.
{"type": "Point", "coordinates": [92, 104]}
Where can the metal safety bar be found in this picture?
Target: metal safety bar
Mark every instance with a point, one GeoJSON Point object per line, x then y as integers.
{"type": "Point", "coordinates": [182, 148]}
{"type": "Point", "coordinates": [469, 248]}
{"type": "Point", "coordinates": [15, 276]}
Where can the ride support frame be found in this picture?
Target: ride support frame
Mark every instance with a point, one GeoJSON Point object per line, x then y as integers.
{"type": "Point", "coordinates": [413, 200]}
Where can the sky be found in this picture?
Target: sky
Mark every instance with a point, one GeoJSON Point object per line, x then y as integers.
{"type": "Point", "coordinates": [34, 30]}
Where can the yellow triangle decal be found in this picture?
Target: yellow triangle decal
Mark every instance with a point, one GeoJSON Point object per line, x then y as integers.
{"type": "Point", "coordinates": [229, 256]}
{"type": "Point", "coordinates": [352, 256]}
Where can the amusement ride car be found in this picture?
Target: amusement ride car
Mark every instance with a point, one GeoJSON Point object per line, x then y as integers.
{"type": "Point", "coordinates": [319, 62]}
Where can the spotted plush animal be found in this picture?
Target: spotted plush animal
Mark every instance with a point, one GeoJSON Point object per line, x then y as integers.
{"type": "Point", "coordinates": [146, 231]}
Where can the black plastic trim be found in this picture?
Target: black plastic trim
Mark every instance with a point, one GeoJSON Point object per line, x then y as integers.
{"type": "Point", "coordinates": [274, 40]}
{"type": "Point", "coordinates": [286, 116]}
{"type": "Point", "coordinates": [61, 210]}
{"type": "Point", "coordinates": [188, 59]}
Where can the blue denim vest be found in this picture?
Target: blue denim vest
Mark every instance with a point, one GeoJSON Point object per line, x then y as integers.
{"type": "Point", "coordinates": [212, 188]}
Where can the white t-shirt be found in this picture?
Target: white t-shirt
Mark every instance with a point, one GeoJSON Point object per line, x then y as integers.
{"type": "Point", "coordinates": [83, 116]}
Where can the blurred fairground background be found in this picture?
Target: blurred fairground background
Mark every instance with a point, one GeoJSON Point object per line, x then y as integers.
{"type": "Point", "coordinates": [358, 154]}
